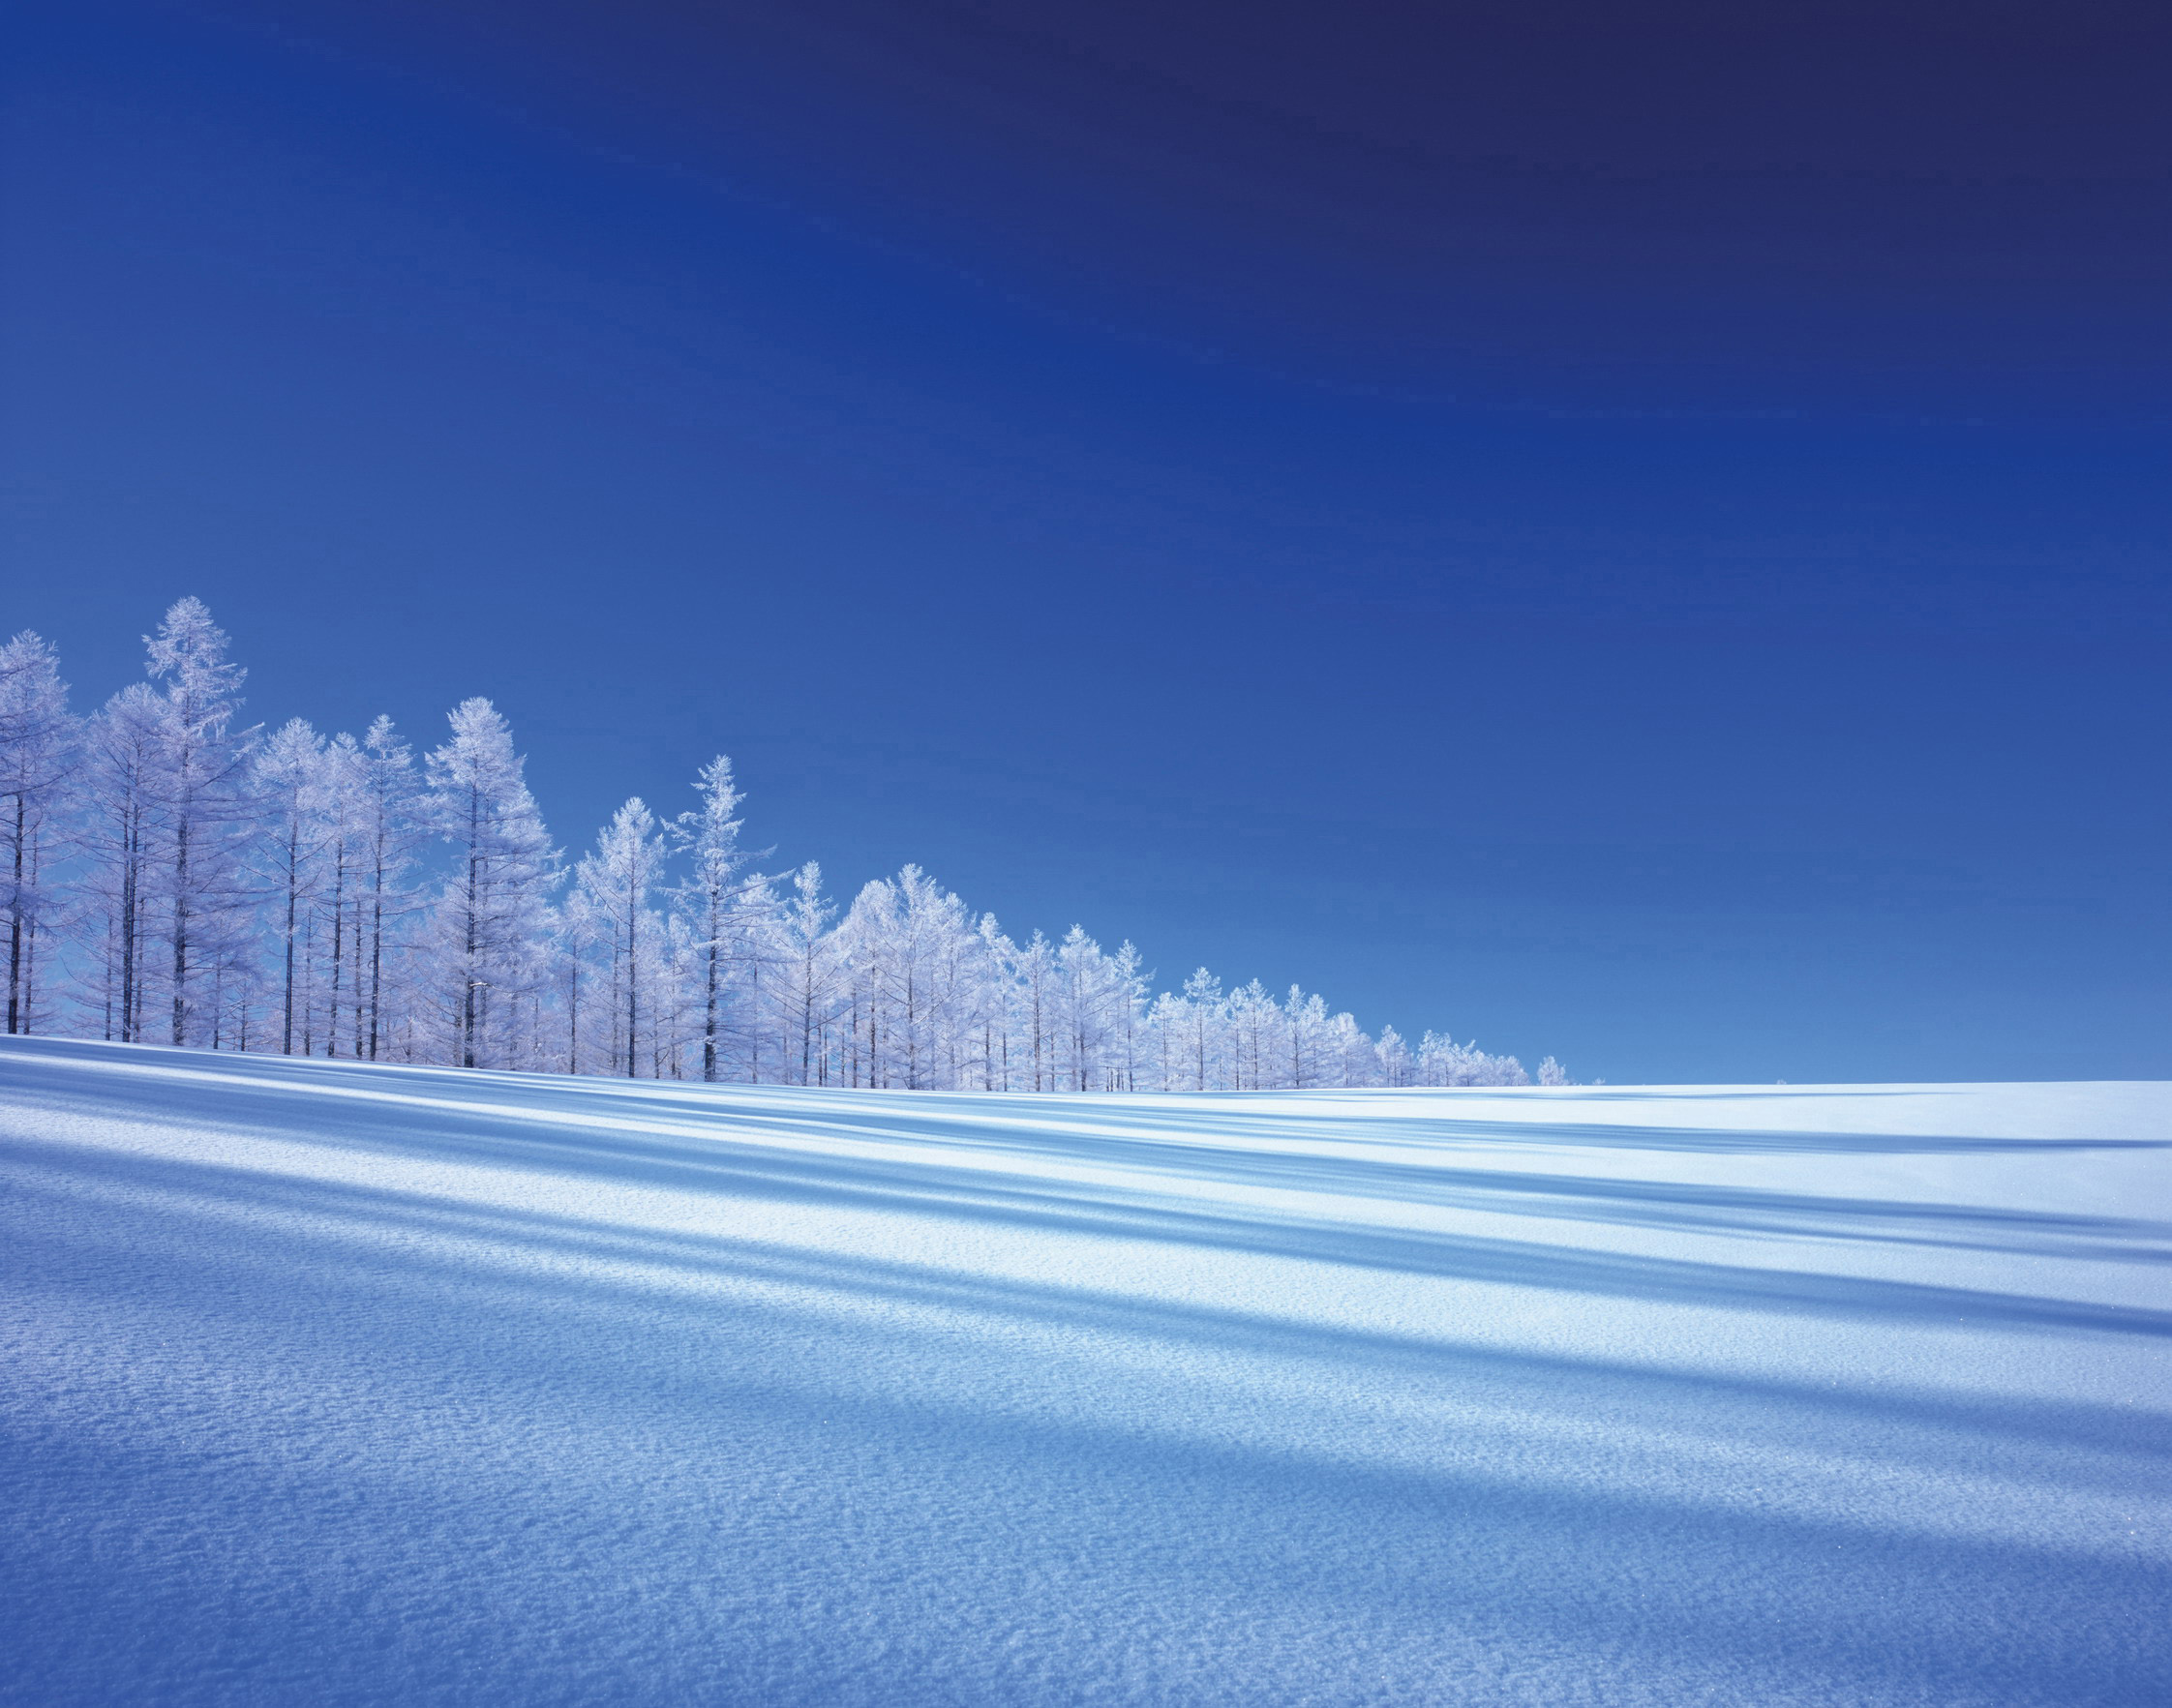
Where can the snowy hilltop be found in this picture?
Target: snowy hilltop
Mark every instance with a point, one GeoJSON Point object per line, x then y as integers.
{"type": "Point", "coordinates": [342, 1383]}
{"type": "Point", "coordinates": [169, 876]}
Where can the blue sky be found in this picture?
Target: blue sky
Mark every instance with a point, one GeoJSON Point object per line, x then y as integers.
{"type": "Point", "coordinates": [1639, 539]}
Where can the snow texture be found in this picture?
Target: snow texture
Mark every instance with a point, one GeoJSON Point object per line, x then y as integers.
{"type": "Point", "coordinates": [348, 1383]}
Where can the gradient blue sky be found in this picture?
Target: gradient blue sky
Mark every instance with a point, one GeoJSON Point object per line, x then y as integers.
{"type": "Point", "coordinates": [1633, 534]}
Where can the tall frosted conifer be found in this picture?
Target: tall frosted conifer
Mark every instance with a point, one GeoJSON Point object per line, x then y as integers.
{"type": "Point", "coordinates": [40, 750]}
{"type": "Point", "coordinates": [1128, 971]}
{"type": "Point", "coordinates": [289, 782]}
{"type": "Point", "coordinates": [865, 932]}
{"type": "Point", "coordinates": [491, 913]}
{"type": "Point", "coordinates": [341, 772]}
{"type": "Point", "coordinates": [996, 966]}
{"type": "Point", "coordinates": [615, 882]}
{"type": "Point", "coordinates": [388, 808]}
{"type": "Point", "coordinates": [1038, 1009]}
{"type": "Point", "coordinates": [116, 836]}
{"type": "Point", "coordinates": [201, 811]}
{"type": "Point", "coordinates": [709, 838]}
{"type": "Point", "coordinates": [812, 969]}
{"type": "Point", "coordinates": [1202, 1020]}
{"type": "Point", "coordinates": [925, 934]}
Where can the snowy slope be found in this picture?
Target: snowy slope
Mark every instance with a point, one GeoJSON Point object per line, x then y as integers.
{"type": "Point", "coordinates": [332, 1384]}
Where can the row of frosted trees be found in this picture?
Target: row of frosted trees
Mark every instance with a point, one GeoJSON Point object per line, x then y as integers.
{"type": "Point", "coordinates": [169, 876]}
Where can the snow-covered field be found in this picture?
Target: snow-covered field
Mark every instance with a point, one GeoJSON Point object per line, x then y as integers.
{"type": "Point", "coordinates": [333, 1384]}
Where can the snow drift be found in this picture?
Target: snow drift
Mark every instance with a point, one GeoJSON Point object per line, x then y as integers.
{"type": "Point", "coordinates": [342, 1384]}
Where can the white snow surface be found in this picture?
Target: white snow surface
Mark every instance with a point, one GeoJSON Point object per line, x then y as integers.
{"type": "Point", "coordinates": [327, 1383]}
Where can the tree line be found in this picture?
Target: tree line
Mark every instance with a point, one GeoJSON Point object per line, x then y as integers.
{"type": "Point", "coordinates": [167, 876]}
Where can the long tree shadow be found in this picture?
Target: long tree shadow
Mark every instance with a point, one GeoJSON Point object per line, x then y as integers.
{"type": "Point", "coordinates": [467, 1236]}
{"type": "Point", "coordinates": [717, 1158]}
{"type": "Point", "coordinates": [971, 1116]}
{"type": "Point", "coordinates": [1874, 1611]}
{"type": "Point", "coordinates": [592, 1318]}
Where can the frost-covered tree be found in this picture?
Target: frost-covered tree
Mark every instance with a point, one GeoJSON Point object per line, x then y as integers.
{"type": "Point", "coordinates": [1128, 982]}
{"type": "Point", "coordinates": [754, 928]}
{"type": "Point", "coordinates": [708, 837]}
{"type": "Point", "coordinates": [119, 799]}
{"type": "Point", "coordinates": [200, 817]}
{"type": "Point", "coordinates": [385, 807]}
{"type": "Point", "coordinates": [487, 925]}
{"type": "Point", "coordinates": [579, 932]}
{"type": "Point", "coordinates": [1395, 1067]}
{"type": "Point", "coordinates": [1305, 1037]}
{"type": "Point", "coordinates": [289, 782]}
{"type": "Point", "coordinates": [40, 753]}
{"type": "Point", "coordinates": [1037, 1011]}
{"type": "Point", "coordinates": [1205, 1021]}
{"type": "Point", "coordinates": [811, 969]}
{"type": "Point", "coordinates": [1255, 1022]}
{"type": "Point", "coordinates": [1351, 1054]}
{"type": "Point", "coordinates": [995, 1002]}
{"type": "Point", "coordinates": [615, 882]}
{"type": "Point", "coordinates": [343, 810]}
